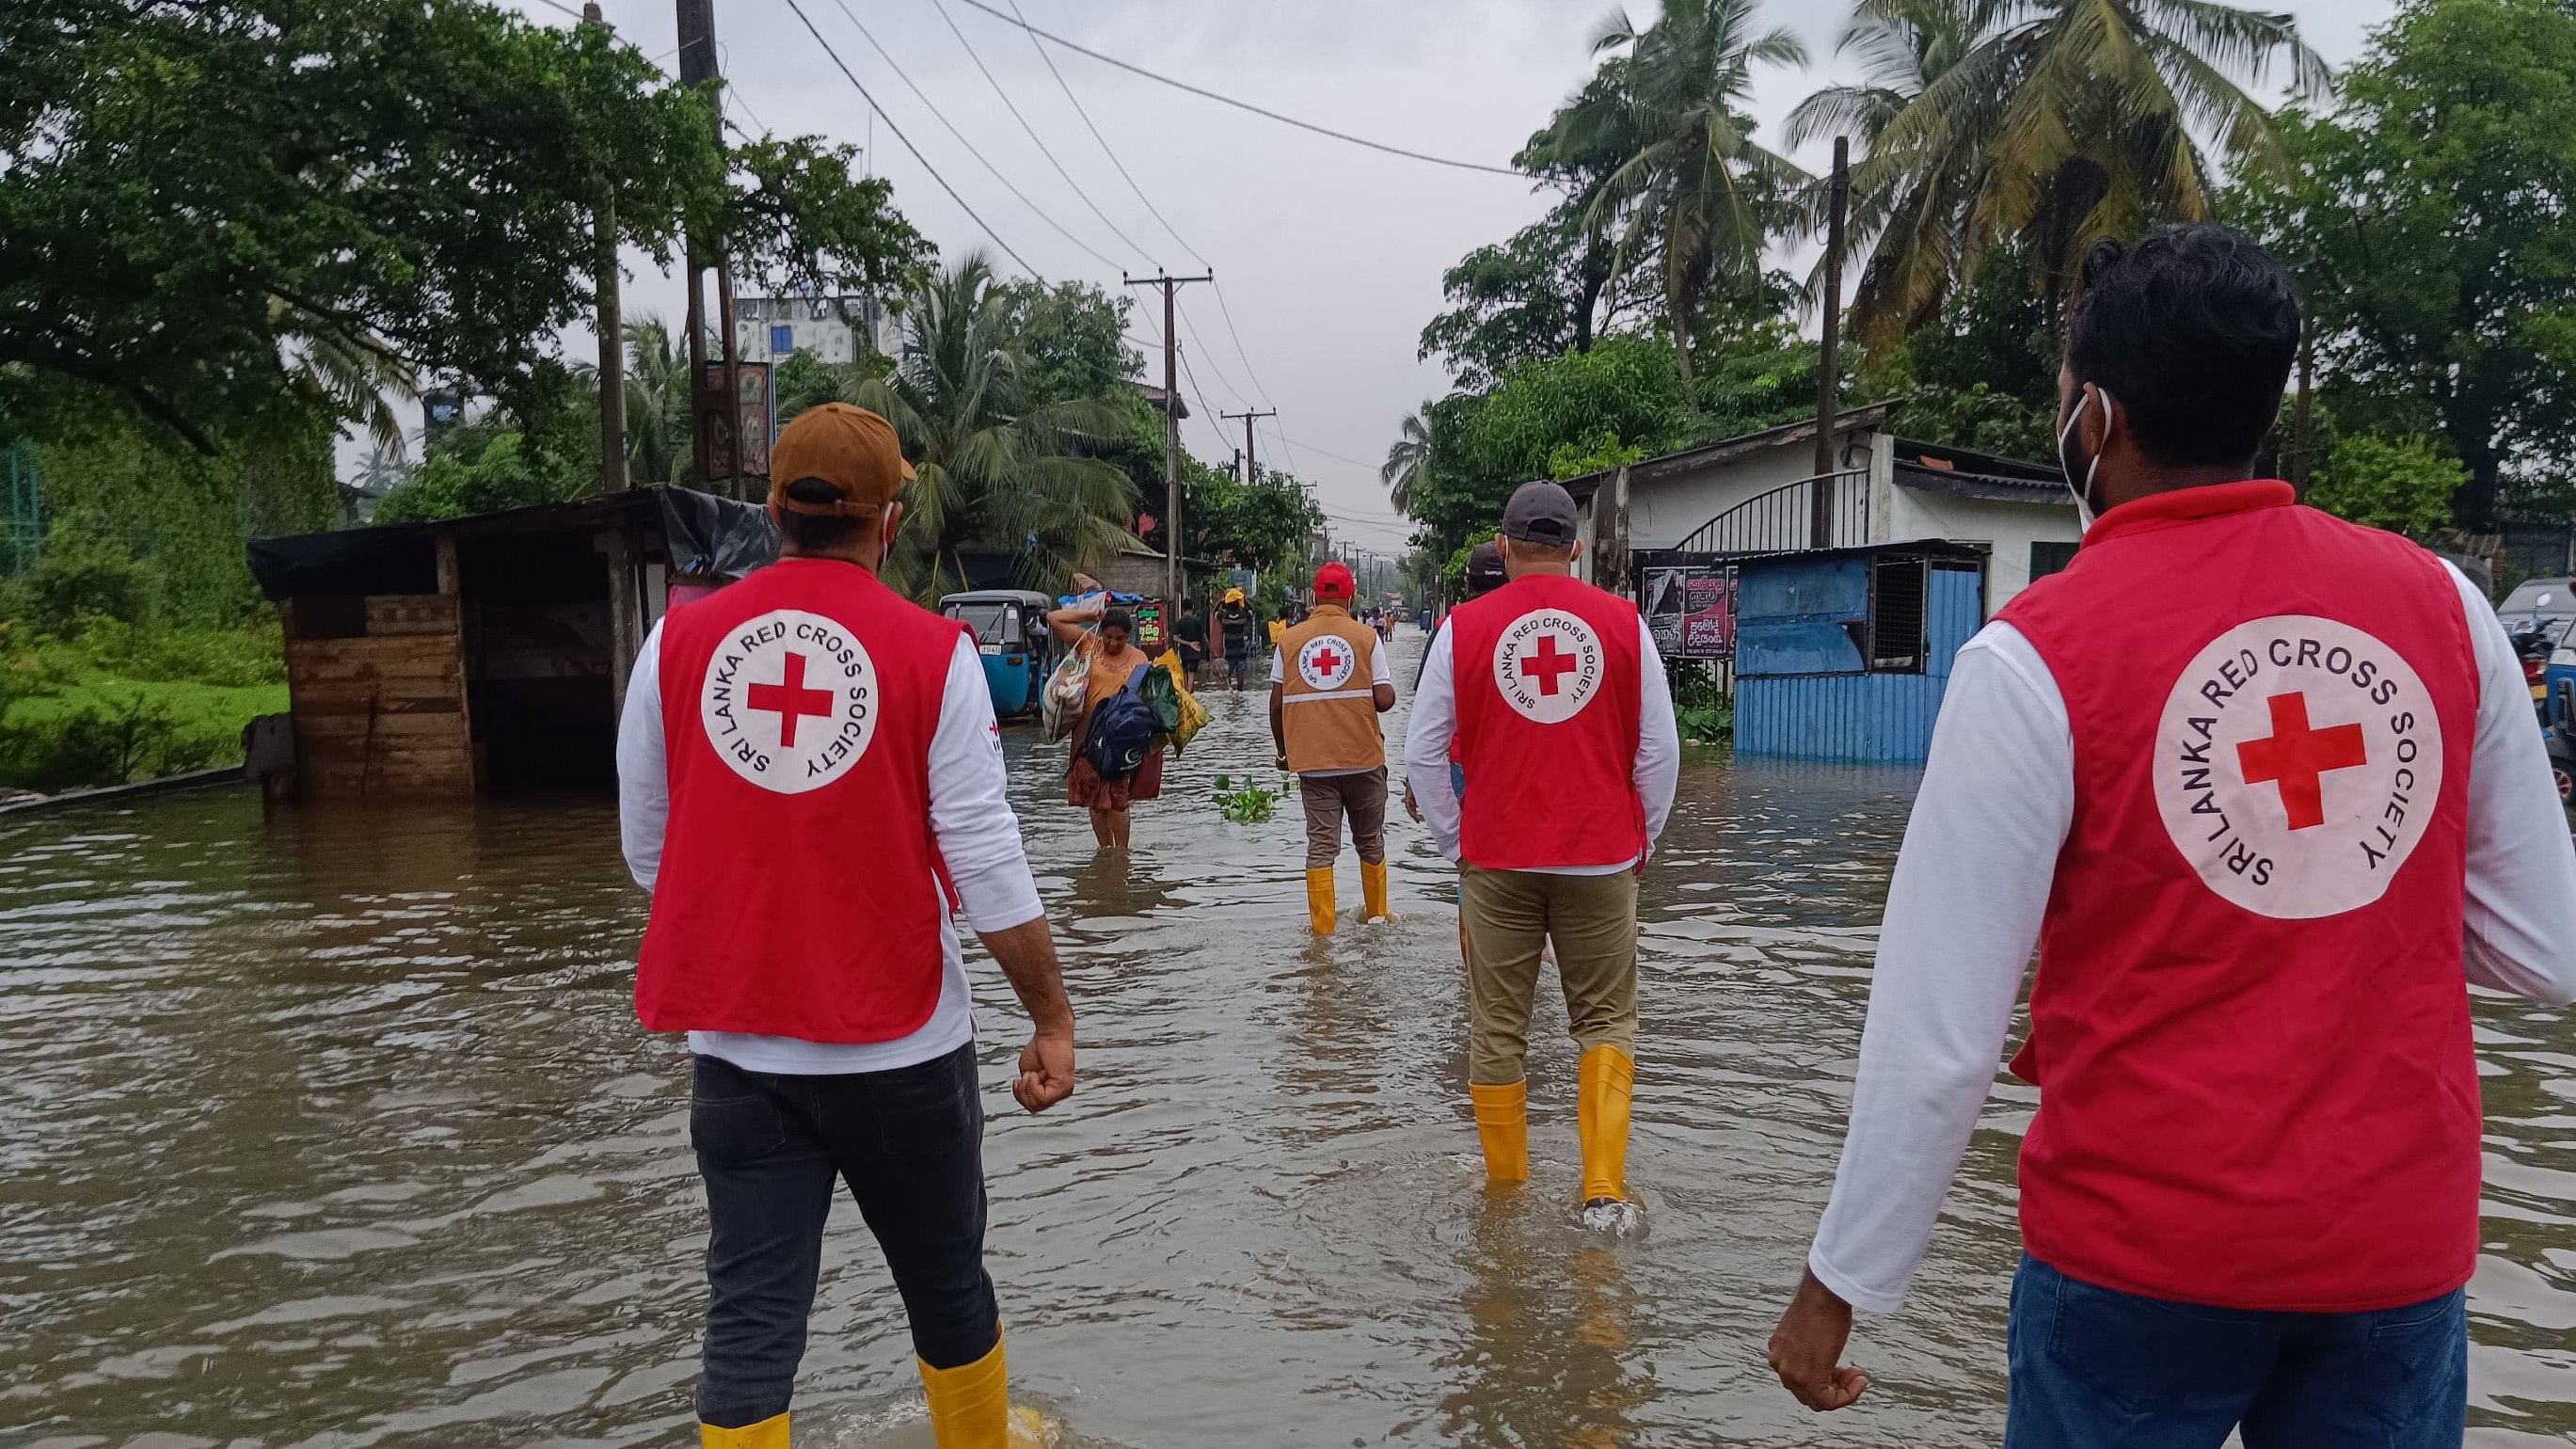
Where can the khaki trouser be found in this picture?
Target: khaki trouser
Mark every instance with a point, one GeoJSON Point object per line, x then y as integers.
{"type": "Point", "coordinates": [1508, 914]}
{"type": "Point", "coordinates": [1330, 797]}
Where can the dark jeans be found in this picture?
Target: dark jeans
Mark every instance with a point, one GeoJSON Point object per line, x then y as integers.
{"type": "Point", "coordinates": [2097, 1369]}
{"type": "Point", "coordinates": [909, 1143]}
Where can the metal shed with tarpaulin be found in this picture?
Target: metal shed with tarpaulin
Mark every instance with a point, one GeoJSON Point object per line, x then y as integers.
{"type": "Point", "coordinates": [1843, 654]}
{"type": "Point", "coordinates": [488, 653]}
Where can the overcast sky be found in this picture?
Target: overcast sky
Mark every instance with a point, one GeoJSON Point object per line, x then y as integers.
{"type": "Point", "coordinates": [1328, 256]}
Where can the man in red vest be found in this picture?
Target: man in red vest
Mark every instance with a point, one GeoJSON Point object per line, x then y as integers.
{"type": "Point", "coordinates": [805, 758]}
{"type": "Point", "coordinates": [2263, 788]}
{"type": "Point", "coordinates": [1555, 699]}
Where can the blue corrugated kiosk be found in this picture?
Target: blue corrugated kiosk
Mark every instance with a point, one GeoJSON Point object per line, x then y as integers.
{"type": "Point", "coordinates": [1842, 654]}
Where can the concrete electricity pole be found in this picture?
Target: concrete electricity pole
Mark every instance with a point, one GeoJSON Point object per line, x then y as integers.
{"type": "Point", "coordinates": [1251, 467]}
{"type": "Point", "coordinates": [1820, 527]}
{"type": "Point", "coordinates": [714, 415]}
{"type": "Point", "coordinates": [1171, 423]}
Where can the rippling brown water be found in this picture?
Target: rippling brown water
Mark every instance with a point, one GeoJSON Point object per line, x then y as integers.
{"type": "Point", "coordinates": [338, 1130]}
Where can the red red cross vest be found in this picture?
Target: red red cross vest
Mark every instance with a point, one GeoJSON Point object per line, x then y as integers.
{"type": "Point", "coordinates": [1545, 672]}
{"type": "Point", "coordinates": [2250, 1025]}
{"type": "Point", "coordinates": [798, 893]}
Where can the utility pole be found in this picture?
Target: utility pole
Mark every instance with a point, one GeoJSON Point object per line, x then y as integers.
{"type": "Point", "coordinates": [1251, 465]}
{"type": "Point", "coordinates": [714, 416]}
{"type": "Point", "coordinates": [612, 342]}
{"type": "Point", "coordinates": [1820, 493]}
{"type": "Point", "coordinates": [1171, 422]}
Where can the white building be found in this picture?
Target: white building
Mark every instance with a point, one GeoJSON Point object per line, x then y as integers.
{"type": "Point", "coordinates": [834, 329]}
{"type": "Point", "coordinates": [1758, 494]}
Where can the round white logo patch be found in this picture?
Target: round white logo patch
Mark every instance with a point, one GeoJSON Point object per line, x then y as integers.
{"type": "Point", "coordinates": [790, 701]}
{"type": "Point", "coordinates": [1325, 662]}
{"type": "Point", "coordinates": [2297, 764]}
{"type": "Point", "coordinates": [1548, 665]}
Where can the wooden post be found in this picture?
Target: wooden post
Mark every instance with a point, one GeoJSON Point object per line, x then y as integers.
{"type": "Point", "coordinates": [1820, 518]}
{"type": "Point", "coordinates": [623, 615]}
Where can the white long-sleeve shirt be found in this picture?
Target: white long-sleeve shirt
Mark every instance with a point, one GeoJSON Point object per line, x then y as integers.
{"type": "Point", "coordinates": [1434, 723]}
{"type": "Point", "coordinates": [970, 817]}
{"type": "Point", "coordinates": [1972, 883]}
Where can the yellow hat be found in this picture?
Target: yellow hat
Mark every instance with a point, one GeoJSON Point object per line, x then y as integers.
{"type": "Point", "coordinates": [850, 448]}
{"type": "Point", "coordinates": [1234, 596]}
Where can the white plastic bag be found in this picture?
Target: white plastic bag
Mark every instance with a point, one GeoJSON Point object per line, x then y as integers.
{"type": "Point", "coordinates": [1068, 689]}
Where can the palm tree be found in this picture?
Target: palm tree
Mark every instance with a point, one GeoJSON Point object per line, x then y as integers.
{"type": "Point", "coordinates": [1690, 184]}
{"type": "Point", "coordinates": [657, 403]}
{"type": "Point", "coordinates": [991, 469]}
{"type": "Point", "coordinates": [350, 367]}
{"type": "Point", "coordinates": [2053, 122]}
{"type": "Point", "coordinates": [1408, 458]}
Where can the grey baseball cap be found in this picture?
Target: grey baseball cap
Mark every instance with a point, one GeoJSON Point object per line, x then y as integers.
{"type": "Point", "coordinates": [1540, 513]}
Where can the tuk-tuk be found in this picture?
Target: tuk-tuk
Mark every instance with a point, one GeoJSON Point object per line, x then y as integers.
{"type": "Point", "coordinates": [1011, 633]}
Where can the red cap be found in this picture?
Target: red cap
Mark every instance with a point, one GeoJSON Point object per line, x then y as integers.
{"type": "Point", "coordinates": [1333, 581]}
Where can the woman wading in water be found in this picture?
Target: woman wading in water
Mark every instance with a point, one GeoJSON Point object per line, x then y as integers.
{"type": "Point", "coordinates": [1114, 662]}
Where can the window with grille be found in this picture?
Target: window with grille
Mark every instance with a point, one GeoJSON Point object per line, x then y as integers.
{"type": "Point", "coordinates": [1896, 616]}
{"type": "Point", "coordinates": [2048, 558]}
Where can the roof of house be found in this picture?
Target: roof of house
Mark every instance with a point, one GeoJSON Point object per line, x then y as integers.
{"type": "Point", "coordinates": [1964, 474]}
{"type": "Point", "coordinates": [1689, 459]}
{"type": "Point", "coordinates": [1155, 395]}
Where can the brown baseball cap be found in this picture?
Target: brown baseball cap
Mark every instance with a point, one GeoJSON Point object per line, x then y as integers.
{"type": "Point", "coordinates": [850, 448]}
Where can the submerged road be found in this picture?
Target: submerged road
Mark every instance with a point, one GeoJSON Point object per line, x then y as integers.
{"type": "Point", "coordinates": [338, 1130]}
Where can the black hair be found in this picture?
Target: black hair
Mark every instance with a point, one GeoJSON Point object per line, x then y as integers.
{"type": "Point", "coordinates": [2191, 329]}
{"type": "Point", "coordinates": [1117, 619]}
{"type": "Point", "coordinates": [812, 532]}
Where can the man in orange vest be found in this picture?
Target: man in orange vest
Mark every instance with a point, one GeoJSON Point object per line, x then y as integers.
{"type": "Point", "coordinates": [2262, 788]}
{"type": "Point", "coordinates": [1555, 698]}
{"type": "Point", "coordinates": [807, 761]}
{"type": "Point", "coordinates": [1329, 682]}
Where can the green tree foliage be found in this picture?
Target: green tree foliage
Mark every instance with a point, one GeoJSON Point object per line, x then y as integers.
{"type": "Point", "coordinates": [2403, 485]}
{"type": "Point", "coordinates": [1266, 525]}
{"type": "Point", "coordinates": [997, 473]}
{"type": "Point", "coordinates": [1550, 289]}
{"type": "Point", "coordinates": [542, 447]}
{"type": "Point", "coordinates": [1070, 338]}
{"type": "Point", "coordinates": [197, 200]}
{"type": "Point", "coordinates": [1983, 373]}
{"type": "Point", "coordinates": [1686, 182]}
{"type": "Point", "coordinates": [2428, 217]}
{"type": "Point", "coordinates": [2050, 122]}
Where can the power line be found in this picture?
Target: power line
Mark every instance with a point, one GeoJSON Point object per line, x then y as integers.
{"type": "Point", "coordinates": [1221, 98]}
{"type": "Point", "coordinates": [1252, 372]}
{"type": "Point", "coordinates": [933, 107]}
{"type": "Point", "coordinates": [879, 110]}
{"type": "Point", "coordinates": [1094, 128]}
{"type": "Point", "coordinates": [1040, 142]}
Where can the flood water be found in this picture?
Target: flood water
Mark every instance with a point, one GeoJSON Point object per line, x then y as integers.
{"type": "Point", "coordinates": [338, 1130]}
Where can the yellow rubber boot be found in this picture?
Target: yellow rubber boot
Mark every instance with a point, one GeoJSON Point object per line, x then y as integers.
{"type": "Point", "coordinates": [1502, 1125]}
{"type": "Point", "coordinates": [970, 1406]}
{"type": "Point", "coordinates": [1319, 900]}
{"type": "Point", "coordinates": [1604, 1080]}
{"type": "Point", "coordinates": [1373, 892]}
{"type": "Point", "coordinates": [769, 1433]}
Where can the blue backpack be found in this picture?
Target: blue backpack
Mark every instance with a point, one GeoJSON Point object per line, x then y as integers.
{"type": "Point", "coordinates": [1122, 731]}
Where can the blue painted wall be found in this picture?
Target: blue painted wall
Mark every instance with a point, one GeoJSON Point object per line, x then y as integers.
{"type": "Point", "coordinates": [1830, 709]}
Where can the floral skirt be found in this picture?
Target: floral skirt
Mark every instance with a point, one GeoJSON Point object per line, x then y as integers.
{"type": "Point", "coordinates": [1084, 787]}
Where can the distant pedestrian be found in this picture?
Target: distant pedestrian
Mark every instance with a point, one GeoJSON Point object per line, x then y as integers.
{"type": "Point", "coordinates": [1117, 668]}
{"type": "Point", "coordinates": [803, 758]}
{"type": "Point", "coordinates": [1235, 623]}
{"type": "Point", "coordinates": [2263, 789]}
{"type": "Point", "coordinates": [1329, 682]}
{"type": "Point", "coordinates": [1189, 640]}
{"type": "Point", "coordinates": [1556, 700]}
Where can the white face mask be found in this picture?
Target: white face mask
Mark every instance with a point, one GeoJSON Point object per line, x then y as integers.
{"type": "Point", "coordinates": [2084, 493]}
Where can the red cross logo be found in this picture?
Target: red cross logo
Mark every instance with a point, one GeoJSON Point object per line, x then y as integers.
{"type": "Point", "coordinates": [1327, 662]}
{"type": "Point", "coordinates": [1547, 666]}
{"type": "Point", "coordinates": [790, 700]}
{"type": "Point", "coordinates": [2299, 758]}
